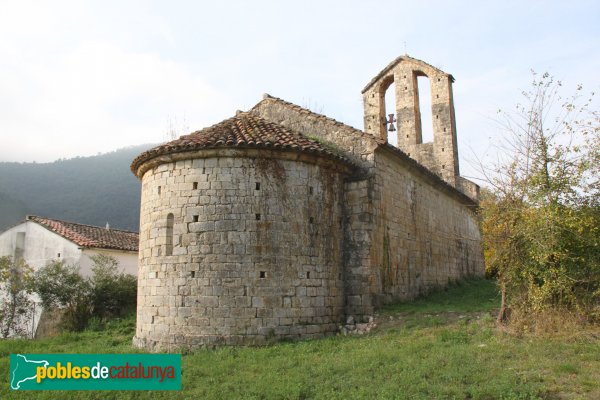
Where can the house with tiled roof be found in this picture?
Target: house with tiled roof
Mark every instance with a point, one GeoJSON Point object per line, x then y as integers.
{"type": "Point", "coordinates": [39, 240]}
{"type": "Point", "coordinates": [282, 223]}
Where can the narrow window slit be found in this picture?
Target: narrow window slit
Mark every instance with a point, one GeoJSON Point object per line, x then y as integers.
{"type": "Point", "coordinates": [308, 275]}
{"type": "Point", "coordinates": [195, 217]}
{"type": "Point", "coordinates": [257, 187]}
{"type": "Point", "coordinates": [169, 244]}
{"type": "Point", "coordinates": [193, 274]}
{"type": "Point", "coordinates": [257, 216]}
{"type": "Point", "coordinates": [263, 274]}
{"type": "Point", "coordinates": [195, 185]}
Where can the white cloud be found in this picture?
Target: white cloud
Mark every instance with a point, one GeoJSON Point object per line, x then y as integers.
{"type": "Point", "coordinates": [95, 98]}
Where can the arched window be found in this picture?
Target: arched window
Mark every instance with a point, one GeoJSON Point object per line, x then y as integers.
{"type": "Point", "coordinates": [169, 244]}
{"type": "Point", "coordinates": [425, 109]}
{"type": "Point", "coordinates": [390, 108]}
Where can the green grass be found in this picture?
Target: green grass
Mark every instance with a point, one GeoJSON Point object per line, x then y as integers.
{"type": "Point", "coordinates": [467, 296]}
{"type": "Point", "coordinates": [437, 358]}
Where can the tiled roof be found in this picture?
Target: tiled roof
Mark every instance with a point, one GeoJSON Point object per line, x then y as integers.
{"type": "Point", "coordinates": [90, 236]}
{"type": "Point", "coordinates": [245, 130]}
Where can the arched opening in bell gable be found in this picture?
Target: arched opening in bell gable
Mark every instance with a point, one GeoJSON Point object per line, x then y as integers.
{"type": "Point", "coordinates": [389, 106]}
{"type": "Point", "coordinates": [425, 114]}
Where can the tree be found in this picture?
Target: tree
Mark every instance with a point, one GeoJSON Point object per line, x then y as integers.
{"type": "Point", "coordinates": [107, 293]}
{"type": "Point", "coordinates": [16, 309]}
{"type": "Point", "coordinates": [60, 286]}
{"type": "Point", "coordinates": [114, 293]}
{"type": "Point", "coordinates": [541, 217]}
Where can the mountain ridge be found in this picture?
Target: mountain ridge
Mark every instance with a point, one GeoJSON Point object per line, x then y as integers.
{"type": "Point", "coordinates": [90, 190]}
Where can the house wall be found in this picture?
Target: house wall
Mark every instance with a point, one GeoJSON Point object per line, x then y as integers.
{"type": "Point", "coordinates": [40, 245]}
{"type": "Point", "coordinates": [37, 246]}
{"type": "Point", "coordinates": [258, 264]}
{"type": "Point", "coordinates": [128, 260]}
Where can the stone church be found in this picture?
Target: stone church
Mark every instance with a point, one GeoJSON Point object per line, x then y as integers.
{"type": "Point", "coordinates": [281, 223]}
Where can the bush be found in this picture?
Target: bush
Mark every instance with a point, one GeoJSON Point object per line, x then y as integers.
{"type": "Point", "coordinates": [107, 294]}
{"type": "Point", "coordinates": [114, 294]}
{"type": "Point", "coordinates": [541, 218]}
{"type": "Point", "coordinates": [16, 309]}
{"type": "Point", "coordinates": [60, 286]}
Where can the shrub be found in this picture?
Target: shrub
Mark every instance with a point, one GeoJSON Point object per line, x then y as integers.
{"type": "Point", "coordinates": [541, 220]}
{"type": "Point", "coordinates": [114, 293]}
{"type": "Point", "coordinates": [60, 286]}
{"type": "Point", "coordinates": [106, 294]}
{"type": "Point", "coordinates": [16, 309]}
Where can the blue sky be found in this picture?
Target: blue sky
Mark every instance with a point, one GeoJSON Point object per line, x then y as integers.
{"type": "Point", "coordinates": [78, 78]}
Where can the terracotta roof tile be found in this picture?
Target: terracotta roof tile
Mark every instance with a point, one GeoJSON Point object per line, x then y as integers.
{"type": "Point", "coordinates": [245, 130]}
{"type": "Point", "coordinates": [90, 236]}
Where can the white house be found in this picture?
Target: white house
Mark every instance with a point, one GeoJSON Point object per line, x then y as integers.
{"type": "Point", "coordinates": [39, 240]}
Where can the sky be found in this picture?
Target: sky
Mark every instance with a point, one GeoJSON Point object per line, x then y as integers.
{"type": "Point", "coordinates": [78, 78]}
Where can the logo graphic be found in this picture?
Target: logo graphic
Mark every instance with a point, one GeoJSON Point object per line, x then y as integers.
{"type": "Point", "coordinates": [95, 371]}
{"type": "Point", "coordinates": [24, 370]}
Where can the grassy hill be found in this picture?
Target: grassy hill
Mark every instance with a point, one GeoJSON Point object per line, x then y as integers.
{"type": "Point", "coordinates": [446, 346]}
{"type": "Point", "coordinates": [90, 190]}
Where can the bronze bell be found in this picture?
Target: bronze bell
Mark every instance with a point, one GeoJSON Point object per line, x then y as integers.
{"type": "Point", "coordinates": [391, 121]}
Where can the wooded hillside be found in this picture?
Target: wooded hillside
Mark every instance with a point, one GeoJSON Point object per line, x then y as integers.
{"type": "Point", "coordinates": [89, 190]}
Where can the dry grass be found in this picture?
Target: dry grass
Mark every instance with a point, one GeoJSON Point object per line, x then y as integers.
{"type": "Point", "coordinates": [559, 324]}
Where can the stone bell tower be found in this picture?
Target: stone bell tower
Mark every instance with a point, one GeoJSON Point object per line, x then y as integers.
{"type": "Point", "coordinates": [441, 155]}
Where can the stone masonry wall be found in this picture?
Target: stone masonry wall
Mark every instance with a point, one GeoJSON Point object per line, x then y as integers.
{"type": "Point", "coordinates": [441, 155]}
{"type": "Point", "coordinates": [359, 201]}
{"type": "Point", "coordinates": [359, 196]}
{"type": "Point", "coordinates": [423, 237]}
{"type": "Point", "coordinates": [356, 145]}
{"type": "Point", "coordinates": [256, 252]}
{"type": "Point", "coordinates": [395, 246]}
